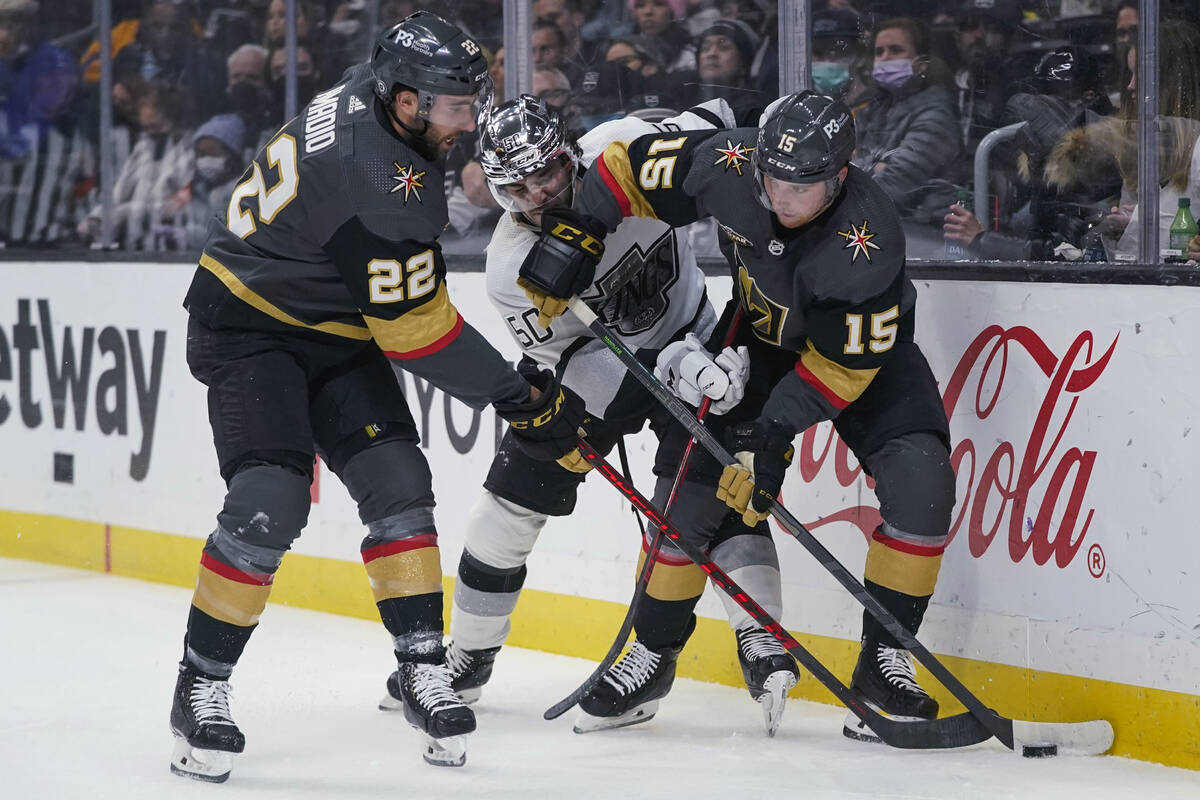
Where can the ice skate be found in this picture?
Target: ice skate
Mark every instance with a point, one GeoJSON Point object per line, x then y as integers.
{"type": "Point", "coordinates": [629, 691]}
{"type": "Point", "coordinates": [206, 737]}
{"type": "Point", "coordinates": [431, 706]}
{"type": "Point", "coordinates": [469, 671]}
{"type": "Point", "coordinates": [770, 672]}
{"type": "Point", "coordinates": [886, 680]}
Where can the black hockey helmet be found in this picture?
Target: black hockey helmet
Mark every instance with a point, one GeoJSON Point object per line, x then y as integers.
{"type": "Point", "coordinates": [519, 141]}
{"type": "Point", "coordinates": [426, 53]}
{"type": "Point", "coordinates": [803, 138]}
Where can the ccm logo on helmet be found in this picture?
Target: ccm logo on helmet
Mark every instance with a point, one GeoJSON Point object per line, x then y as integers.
{"type": "Point", "coordinates": [583, 241]}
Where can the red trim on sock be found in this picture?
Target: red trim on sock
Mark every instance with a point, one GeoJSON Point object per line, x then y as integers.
{"type": "Point", "coordinates": [401, 546]}
{"type": "Point", "coordinates": [235, 574]}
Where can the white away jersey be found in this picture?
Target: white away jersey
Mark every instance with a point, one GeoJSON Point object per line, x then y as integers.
{"type": "Point", "coordinates": [647, 288]}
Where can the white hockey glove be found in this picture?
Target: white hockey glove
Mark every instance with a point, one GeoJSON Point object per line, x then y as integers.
{"type": "Point", "coordinates": [691, 373]}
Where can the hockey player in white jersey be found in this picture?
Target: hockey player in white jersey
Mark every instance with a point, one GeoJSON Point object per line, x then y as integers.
{"type": "Point", "coordinates": [649, 288]}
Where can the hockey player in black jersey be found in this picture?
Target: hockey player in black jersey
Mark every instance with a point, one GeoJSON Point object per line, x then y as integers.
{"type": "Point", "coordinates": [649, 287]}
{"type": "Point", "coordinates": [325, 268]}
{"type": "Point", "coordinates": [816, 254]}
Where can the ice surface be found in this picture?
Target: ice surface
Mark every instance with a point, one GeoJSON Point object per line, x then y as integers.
{"type": "Point", "coordinates": [89, 664]}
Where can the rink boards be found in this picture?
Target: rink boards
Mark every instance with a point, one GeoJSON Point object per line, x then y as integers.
{"type": "Point", "coordinates": [1068, 592]}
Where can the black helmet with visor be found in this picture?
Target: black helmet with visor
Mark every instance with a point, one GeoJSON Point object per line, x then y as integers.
{"type": "Point", "coordinates": [431, 56]}
{"type": "Point", "coordinates": [803, 138]}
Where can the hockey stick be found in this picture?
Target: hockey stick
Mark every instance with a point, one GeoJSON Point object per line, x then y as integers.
{"type": "Point", "coordinates": [1087, 738]}
{"type": "Point", "coordinates": [643, 580]}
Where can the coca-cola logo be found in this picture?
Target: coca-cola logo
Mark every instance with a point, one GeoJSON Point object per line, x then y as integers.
{"type": "Point", "coordinates": [997, 488]}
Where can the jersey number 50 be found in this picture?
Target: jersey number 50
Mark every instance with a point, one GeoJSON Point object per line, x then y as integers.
{"type": "Point", "coordinates": [281, 156]}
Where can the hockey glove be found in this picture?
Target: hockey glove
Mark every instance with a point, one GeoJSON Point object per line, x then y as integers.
{"type": "Point", "coordinates": [547, 428]}
{"type": "Point", "coordinates": [764, 450]}
{"type": "Point", "coordinates": [562, 263]}
{"type": "Point", "coordinates": [691, 373]}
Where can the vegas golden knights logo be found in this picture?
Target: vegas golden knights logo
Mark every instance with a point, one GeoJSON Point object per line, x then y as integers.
{"type": "Point", "coordinates": [764, 314]}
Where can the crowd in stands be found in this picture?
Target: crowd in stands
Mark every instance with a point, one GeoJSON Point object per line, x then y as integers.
{"type": "Point", "coordinates": [199, 85]}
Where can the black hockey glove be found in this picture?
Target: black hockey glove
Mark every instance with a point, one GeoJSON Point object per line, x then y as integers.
{"type": "Point", "coordinates": [562, 263]}
{"type": "Point", "coordinates": [764, 450]}
{"type": "Point", "coordinates": [547, 428]}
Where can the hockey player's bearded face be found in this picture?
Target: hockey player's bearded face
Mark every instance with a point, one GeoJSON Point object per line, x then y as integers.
{"type": "Point", "coordinates": [450, 117]}
{"type": "Point", "coordinates": [797, 204]}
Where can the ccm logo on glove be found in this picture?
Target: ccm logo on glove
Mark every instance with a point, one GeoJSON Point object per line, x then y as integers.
{"type": "Point", "coordinates": [543, 418]}
{"type": "Point", "coordinates": [581, 239]}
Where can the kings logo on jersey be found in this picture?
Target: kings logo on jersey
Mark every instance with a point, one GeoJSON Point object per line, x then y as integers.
{"type": "Point", "coordinates": [632, 294]}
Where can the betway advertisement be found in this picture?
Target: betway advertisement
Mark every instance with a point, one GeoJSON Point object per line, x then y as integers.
{"type": "Point", "coordinates": [1071, 407]}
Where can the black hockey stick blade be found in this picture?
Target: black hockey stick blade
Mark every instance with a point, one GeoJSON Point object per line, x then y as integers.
{"type": "Point", "coordinates": [999, 726]}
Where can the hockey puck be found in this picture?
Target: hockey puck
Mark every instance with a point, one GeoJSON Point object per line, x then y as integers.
{"type": "Point", "coordinates": [1039, 751]}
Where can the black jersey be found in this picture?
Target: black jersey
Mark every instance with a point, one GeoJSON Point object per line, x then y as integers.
{"type": "Point", "coordinates": [333, 231]}
{"type": "Point", "coordinates": [834, 291]}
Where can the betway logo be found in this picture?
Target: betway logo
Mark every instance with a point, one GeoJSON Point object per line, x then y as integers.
{"type": "Point", "coordinates": [75, 373]}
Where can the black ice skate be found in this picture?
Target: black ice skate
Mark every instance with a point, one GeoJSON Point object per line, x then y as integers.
{"type": "Point", "coordinates": [886, 679]}
{"type": "Point", "coordinates": [431, 706]}
{"type": "Point", "coordinates": [469, 671]}
{"type": "Point", "coordinates": [769, 670]}
{"type": "Point", "coordinates": [205, 734]}
{"type": "Point", "coordinates": [629, 691]}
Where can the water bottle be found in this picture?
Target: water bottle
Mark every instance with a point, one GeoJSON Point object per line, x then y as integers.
{"type": "Point", "coordinates": [953, 250]}
{"type": "Point", "coordinates": [1183, 228]}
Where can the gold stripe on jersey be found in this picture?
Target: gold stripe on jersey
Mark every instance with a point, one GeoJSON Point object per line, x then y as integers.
{"type": "Point", "coordinates": [229, 600]}
{"type": "Point", "coordinates": [252, 298]}
{"type": "Point", "coordinates": [617, 172]}
{"type": "Point", "coordinates": [671, 582]}
{"type": "Point", "coordinates": [417, 328]}
{"type": "Point", "coordinates": [842, 381]}
{"type": "Point", "coordinates": [407, 573]}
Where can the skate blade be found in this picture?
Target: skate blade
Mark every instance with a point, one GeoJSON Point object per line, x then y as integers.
{"type": "Point", "coordinates": [587, 723]}
{"type": "Point", "coordinates": [212, 766]}
{"type": "Point", "coordinates": [855, 728]}
{"type": "Point", "coordinates": [448, 752]}
{"type": "Point", "coordinates": [774, 698]}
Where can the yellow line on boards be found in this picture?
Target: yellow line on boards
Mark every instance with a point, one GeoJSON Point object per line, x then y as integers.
{"type": "Point", "coordinates": [1151, 724]}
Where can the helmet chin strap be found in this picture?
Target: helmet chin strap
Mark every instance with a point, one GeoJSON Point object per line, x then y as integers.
{"type": "Point", "coordinates": [418, 136]}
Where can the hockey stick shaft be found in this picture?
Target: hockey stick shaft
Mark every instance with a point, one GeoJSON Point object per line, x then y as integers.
{"type": "Point", "coordinates": [643, 579]}
{"type": "Point", "coordinates": [957, 731]}
{"type": "Point", "coordinates": [999, 726]}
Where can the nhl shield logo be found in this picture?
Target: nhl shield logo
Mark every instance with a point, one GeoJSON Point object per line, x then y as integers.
{"type": "Point", "coordinates": [775, 247]}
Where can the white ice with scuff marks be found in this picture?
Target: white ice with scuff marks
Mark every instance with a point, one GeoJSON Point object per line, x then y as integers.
{"type": "Point", "coordinates": [89, 666]}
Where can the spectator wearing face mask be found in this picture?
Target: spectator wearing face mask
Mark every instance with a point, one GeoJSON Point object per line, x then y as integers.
{"type": "Point", "coordinates": [908, 132]}
{"type": "Point", "coordinates": [307, 80]}
{"type": "Point", "coordinates": [219, 147]}
{"type": "Point", "coordinates": [246, 92]}
{"type": "Point", "coordinates": [841, 65]}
